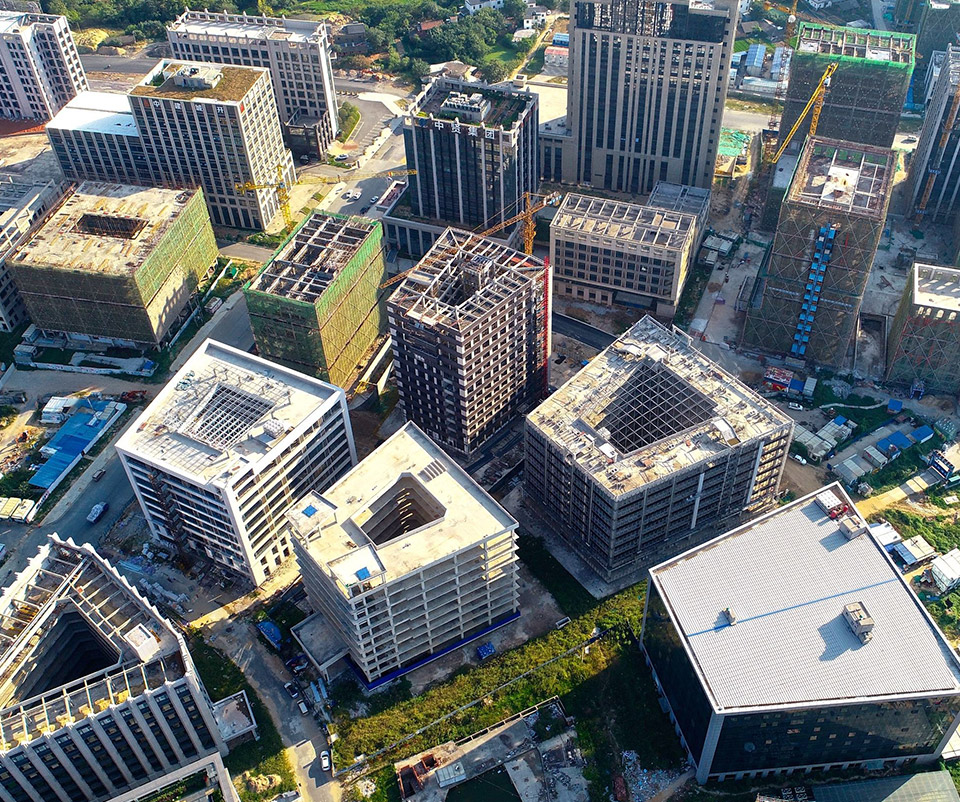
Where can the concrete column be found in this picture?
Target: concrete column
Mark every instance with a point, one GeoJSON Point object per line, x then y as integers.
{"type": "Point", "coordinates": [17, 775]}
{"type": "Point", "coordinates": [150, 738]}
{"type": "Point", "coordinates": [112, 750]}
{"type": "Point", "coordinates": [92, 761]}
{"type": "Point", "coordinates": [709, 747]}
{"type": "Point", "coordinates": [158, 715]}
{"type": "Point", "coordinates": [134, 743]}
{"type": "Point", "coordinates": [70, 768]}
{"type": "Point", "coordinates": [187, 724]}
{"type": "Point", "coordinates": [44, 772]}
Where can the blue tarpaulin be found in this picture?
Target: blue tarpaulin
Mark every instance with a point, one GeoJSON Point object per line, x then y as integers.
{"type": "Point", "coordinates": [77, 432]}
{"type": "Point", "coordinates": [894, 406]}
{"type": "Point", "coordinates": [485, 650]}
{"type": "Point", "coordinates": [272, 633]}
{"type": "Point", "coordinates": [921, 435]}
{"type": "Point", "coordinates": [900, 440]}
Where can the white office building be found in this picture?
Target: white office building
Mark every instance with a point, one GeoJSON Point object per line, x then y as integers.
{"type": "Point", "coordinates": [297, 52]}
{"type": "Point", "coordinates": [40, 69]}
{"type": "Point", "coordinates": [226, 447]}
{"type": "Point", "coordinates": [99, 697]}
{"type": "Point", "coordinates": [406, 557]}
{"type": "Point", "coordinates": [186, 124]}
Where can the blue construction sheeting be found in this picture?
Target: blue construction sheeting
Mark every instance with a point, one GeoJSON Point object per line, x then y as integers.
{"type": "Point", "coordinates": [485, 650]}
{"type": "Point", "coordinates": [894, 406]}
{"type": "Point", "coordinates": [75, 435]}
{"type": "Point", "coordinates": [272, 633]}
{"type": "Point", "coordinates": [901, 441]}
{"type": "Point", "coordinates": [561, 40]}
{"type": "Point", "coordinates": [886, 447]}
{"type": "Point", "coordinates": [839, 420]}
{"type": "Point", "coordinates": [796, 386]}
{"type": "Point", "coordinates": [921, 435]}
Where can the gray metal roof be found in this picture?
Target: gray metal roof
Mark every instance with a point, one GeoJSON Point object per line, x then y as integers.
{"type": "Point", "coordinates": [786, 577]}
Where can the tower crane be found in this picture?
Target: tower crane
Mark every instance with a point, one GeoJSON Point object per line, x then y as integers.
{"type": "Point", "coordinates": [816, 103]}
{"type": "Point", "coordinates": [533, 203]}
{"type": "Point", "coordinates": [283, 190]}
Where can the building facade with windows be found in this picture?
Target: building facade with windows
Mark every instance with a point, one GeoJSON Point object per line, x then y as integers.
{"type": "Point", "coordinates": [647, 86]}
{"type": "Point", "coordinates": [22, 204]}
{"type": "Point", "coordinates": [470, 331]}
{"type": "Point", "coordinates": [186, 124]}
{"type": "Point", "coordinates": [406, 557]}
{"type": "Point", "coordinates": [297, 52]}
{"type": "Point", "coordinates": [230, 442]}
{"type": "Point", "coordinates": [475, 152]}
{"type": "Point", "coordinates": [100, 700]}
{"type": "Point", "coordinates": [40, 69]}
{"type": "Point", "coordinates": [793, 643]}
{"type": "Point", "coordinates": [613, 252]}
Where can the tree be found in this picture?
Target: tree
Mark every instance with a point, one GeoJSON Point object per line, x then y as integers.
{"type": "Point", "coordinates": [514, 9]}
{"type": "Point", "coordinates": [418, 67]}
{"type": "Point", "coordinates": [494, 71]}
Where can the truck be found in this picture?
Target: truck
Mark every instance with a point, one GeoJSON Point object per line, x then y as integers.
{"type": "Point", "coordinates": [96, 513]}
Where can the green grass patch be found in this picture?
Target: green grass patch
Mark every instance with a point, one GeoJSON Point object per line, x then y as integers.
{"type": "Point", "coordinates": [691, 295]}
{"type": "Point", "coordinates": [910, 462]}
{"type": "Point", "coordinates": [612, 665]}
{"type": "Point", "coordinates": [742, 45]}
{"type": "Point", "coordinates": [568, 593]}
{"type": "Point", "coordinates": [535, 65]}
{"type": "Point", "coordinates": [348, 117]}
{"type": "Point", "coordinates": [866, 419]}
{"type": "Point", "coordinates": [221, 677]}
{"type": "Point", "coordinates": [505, 54]}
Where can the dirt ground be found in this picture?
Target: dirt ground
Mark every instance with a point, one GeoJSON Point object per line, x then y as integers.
{"type": "Point", "coordinates": [29, 156]}
{"type": "Point", "coordinates": [574, 353]}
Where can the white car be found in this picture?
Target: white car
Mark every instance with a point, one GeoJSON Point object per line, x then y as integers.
{"type": "Point", "coordinates": [325, 760]}
{"type": "Point", "coordinates": [795, 406]}
{"type": "Point", "coordinates": [798, 458]}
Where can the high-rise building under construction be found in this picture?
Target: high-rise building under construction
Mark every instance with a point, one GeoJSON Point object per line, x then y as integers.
{"type": "Point", "coordinates": [470, 327]}
{"type": "Point", "coordinates": [647, 84]}
{"type": "Point", "coordinates": [807, 298]}
{"type": "Point", "coordinates": [646, 449]}
{"type": "Point", "coordinates": [866, 92]}
{"type": "Point", "coordinates": [317, 304]}
{"type": "Point", "coordinates": [934, 182]}
{"type": "Point", "coordinates": [116, 263]}
{"type": "Point", "coordinates": [935, 22]}
{"type": "Point", "coordinates": [924, 348]}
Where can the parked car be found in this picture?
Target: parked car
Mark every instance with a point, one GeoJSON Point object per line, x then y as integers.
{"type": "Point", "coordinates": [364, 210]}
{"type": "Point", "coordinates": [99, 475]}
{"type": "Point", "coordinates": [325, 760]}
{"type": "Point", "coordinates": [303, 707]}
{"type": "Point", "coordinates": [341, 158]}
{"type": "Point", "coordinates": [909, 139]}
{"type": "Point", "coordinates": [291, 688]}
{"type": "Point", "coordinates": [97, 512]}
{"type": "Point", "coordinates": [795, 406]}
{"type": "Point", "coordinates": [798, 458]}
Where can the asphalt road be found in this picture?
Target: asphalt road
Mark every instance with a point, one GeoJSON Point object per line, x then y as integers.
{"type": "Point", "coordinates": [133, 65]}
{"type": "Point", "coordinates": [584, 332]}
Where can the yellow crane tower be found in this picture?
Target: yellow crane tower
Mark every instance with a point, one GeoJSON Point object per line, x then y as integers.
{"type": "Point", "coordinates": [533, 203]}
{"type": "Point", "coordinates": [816, 103]}
{"type": "Point", "coordinates": [283, 191]}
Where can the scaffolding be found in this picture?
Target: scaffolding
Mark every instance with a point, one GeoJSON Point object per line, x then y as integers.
{"type": "Point", "coordinates": [475, 313]}
{"type": "Point", "coordinates": [924, 346]}
{"type": "Point", "coordinates": [317, 305]}
{"type": "Point", "coordinates": [868, 90]}
{"type": "Point", "coordinates": [116, 261]}
{"type": "Point", "coordinates": [826, 239]}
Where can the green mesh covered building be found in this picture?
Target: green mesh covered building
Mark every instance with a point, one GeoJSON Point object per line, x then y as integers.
{"type": "Point", "coordinates": [116, 263]}
{"type": "Point", "coordinates": [317, 305]}
{"type": "Point", "coordinates": [866, 93]}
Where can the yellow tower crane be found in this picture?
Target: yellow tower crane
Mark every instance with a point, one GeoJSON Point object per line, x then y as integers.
{"type": "Point", "coordinates": [283, 190]}
{"type": "Point", "coordinates": [816, 103]}
{"type": "Point", "coordinates": [533, 203]}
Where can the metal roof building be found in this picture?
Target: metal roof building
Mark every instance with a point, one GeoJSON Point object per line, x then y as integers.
{"type": "Point", "coordinates": [793, 642]}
